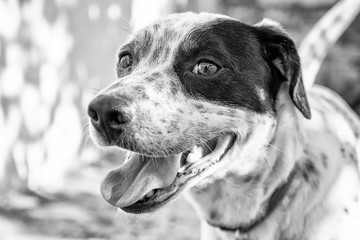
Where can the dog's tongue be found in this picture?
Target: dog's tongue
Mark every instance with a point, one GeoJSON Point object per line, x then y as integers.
{"type": "Point", "coordinates": [130, 182]}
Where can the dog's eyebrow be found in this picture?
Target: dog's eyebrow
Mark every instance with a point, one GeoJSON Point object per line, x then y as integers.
{"type": "Point", "coordinates": [210, 50]}
{"type": "Point", "coordinates": [124, 48]}
{"type": "Point", "coordinates": [204, 42]}
{"type": "Point", "coordinates": [140, 44]}
{"type": "Point", "coordinates": [142, 41]}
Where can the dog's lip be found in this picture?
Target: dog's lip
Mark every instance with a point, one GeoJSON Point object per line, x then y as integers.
{"type": "Point", "coordinates": [183, 177]}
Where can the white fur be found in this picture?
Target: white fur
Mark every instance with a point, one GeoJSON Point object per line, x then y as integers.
{"type": "Point", "coordinates": [314, 208]}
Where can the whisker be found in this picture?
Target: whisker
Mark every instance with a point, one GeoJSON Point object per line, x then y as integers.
{"type": "Point", "coordinates": [197, 190]}
{"type": "Point", "coordinates": [268, 163]}
{"type": "Point", "coordinates": [276, 148]}
{"type": "Point", "coordinates": [85, 135]}
{"type": "Point", "coordinates": [126, 30]}
{"type": "Point", "coordinates": [92, 90]}
{"type": "Point", "coordinates": [201, 141]}
{"type": "Point", "coordinates": [130, 24]}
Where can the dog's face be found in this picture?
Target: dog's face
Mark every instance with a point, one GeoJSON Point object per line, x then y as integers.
{"type": "Point", "coordinates": [195, 95]}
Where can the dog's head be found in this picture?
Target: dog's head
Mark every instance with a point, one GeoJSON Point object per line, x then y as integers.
{"type": "Point", "coordinates": [195, 96]}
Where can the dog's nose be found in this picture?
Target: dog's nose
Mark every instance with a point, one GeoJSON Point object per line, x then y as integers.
{"type": "Point", "coordinates": [110, 114]}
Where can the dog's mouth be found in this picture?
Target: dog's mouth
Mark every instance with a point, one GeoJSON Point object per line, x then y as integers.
{"type": "Point", "coordinates": [144, 184]}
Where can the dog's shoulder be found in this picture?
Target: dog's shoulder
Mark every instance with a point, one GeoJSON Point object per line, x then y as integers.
{"type": "Point", "coordinates": [333, 115]}
{"type": "Point", "coordinates": [331, 137]}
{"type": "Point", "coordinates": [330, 165]}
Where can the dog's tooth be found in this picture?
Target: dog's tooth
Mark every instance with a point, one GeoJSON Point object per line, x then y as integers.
{"type": "Point", "coordinates": [150, 194]}
{"type": "Point", "coordinates": [191, 158]}
{"type": "Point", "coordinates": [195, 154]}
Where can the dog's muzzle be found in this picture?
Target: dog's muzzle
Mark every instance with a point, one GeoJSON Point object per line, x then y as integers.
{"type": "Point", "coordinates": [143, 183]}
{"type": "Point", "coordinates": [109, 114]}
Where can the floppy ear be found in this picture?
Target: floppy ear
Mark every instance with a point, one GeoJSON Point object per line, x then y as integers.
{"type": "Point", "coordinates": [280, 50]}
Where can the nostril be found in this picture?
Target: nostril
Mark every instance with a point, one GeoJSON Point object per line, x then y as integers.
{"type": "Point", "coordinates": [93, 114]}
{"type": "Point", "coordinates": [109, 114]}
{"type": "Point", "coordinates": [116, 119]}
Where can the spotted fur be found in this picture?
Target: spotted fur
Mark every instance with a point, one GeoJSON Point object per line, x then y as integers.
{"type": "Point", "coordinates": [257, 95]}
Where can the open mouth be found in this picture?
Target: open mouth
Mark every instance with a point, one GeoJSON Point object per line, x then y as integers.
{"type": "Point", "coordinates": [144, 186]}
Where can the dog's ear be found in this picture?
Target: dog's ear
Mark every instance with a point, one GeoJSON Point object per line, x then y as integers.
{"type": "Point", "coordinates": [280, 50]}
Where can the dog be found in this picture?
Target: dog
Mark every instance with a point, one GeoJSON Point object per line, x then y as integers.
{"type": "Point", "coordinates": [216, 109]}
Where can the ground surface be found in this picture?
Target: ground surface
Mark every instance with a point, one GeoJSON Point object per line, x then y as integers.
{"type": "Point", "coordinates": [81, 213]}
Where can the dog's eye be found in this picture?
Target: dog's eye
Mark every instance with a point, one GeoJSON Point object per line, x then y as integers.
{"type": "Point", "coordinates": [205, 68]}
{"type": "Point", "coordinates": [125, 61]}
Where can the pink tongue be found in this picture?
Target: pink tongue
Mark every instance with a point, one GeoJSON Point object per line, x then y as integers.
{"type": "Point", "coordinates": [128, 183]}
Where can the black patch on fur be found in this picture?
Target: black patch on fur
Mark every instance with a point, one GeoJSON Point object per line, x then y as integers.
{"type": "Point", "coordinates": [346, 210]}
{"type": "Point", "coordinates": [310, 167]}
{"type": "Point", "coordinates": [324, 160]}
{"type": "Point", "coordinates": [213, 214]}
{"type": "Point", "coordinates": [323, 35]}
{"type": "Point", "coordinates": [143, 96]}
{"type": "Point", "coordinates": [248, 179]}
{"type": "Point", "coordinates": [252, 178]}
{"type": "Point", "coordinates": [174, 88]}
{"type": "Point", "coordinates": [352, 157]}
{"type": "Point", "coordinates": [180, 110]}
{"type": "Point", "coordinates": [144, 44]}
{"type": "Point", "coordinates": [305, 176]}
{"type": "Point", "coordinates": [159, 49]}
{"type": "Point", "coordinates": [156, 75]}
{"type": "Point", "coordinates": [199, 106]}
{"type": "Point", "coordinates": [150, 79]}
{"type": "Point", "coordinates": [159, 86]}
{"type": "Point", "coordinates": [222, 113]}
{"type": "Point", "coordinates": [242, 68]}
{"type": "Point", "coordinates": [160, 43]}
{"type": "Point", "coordinates": [141, 93]}
{"type": "Point", "coordinates": [310, 173]}
{"type": "Point", "coordinates": [245, 56]}
{"type": "Point", "coordinates": [343, 152]}
{"type": "Point", "coordinates": [139, 88]}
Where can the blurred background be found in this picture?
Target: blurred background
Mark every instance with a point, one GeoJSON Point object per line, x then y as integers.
{"type": "Point", "coordinates": [55, 55]}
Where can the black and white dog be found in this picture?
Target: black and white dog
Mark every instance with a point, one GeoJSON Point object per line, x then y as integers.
{"type": "Point", "coordinates": [214, 107]}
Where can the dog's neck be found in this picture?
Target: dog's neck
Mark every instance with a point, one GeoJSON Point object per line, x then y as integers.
{"type": "Point", "coordinates": [235, 199]}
